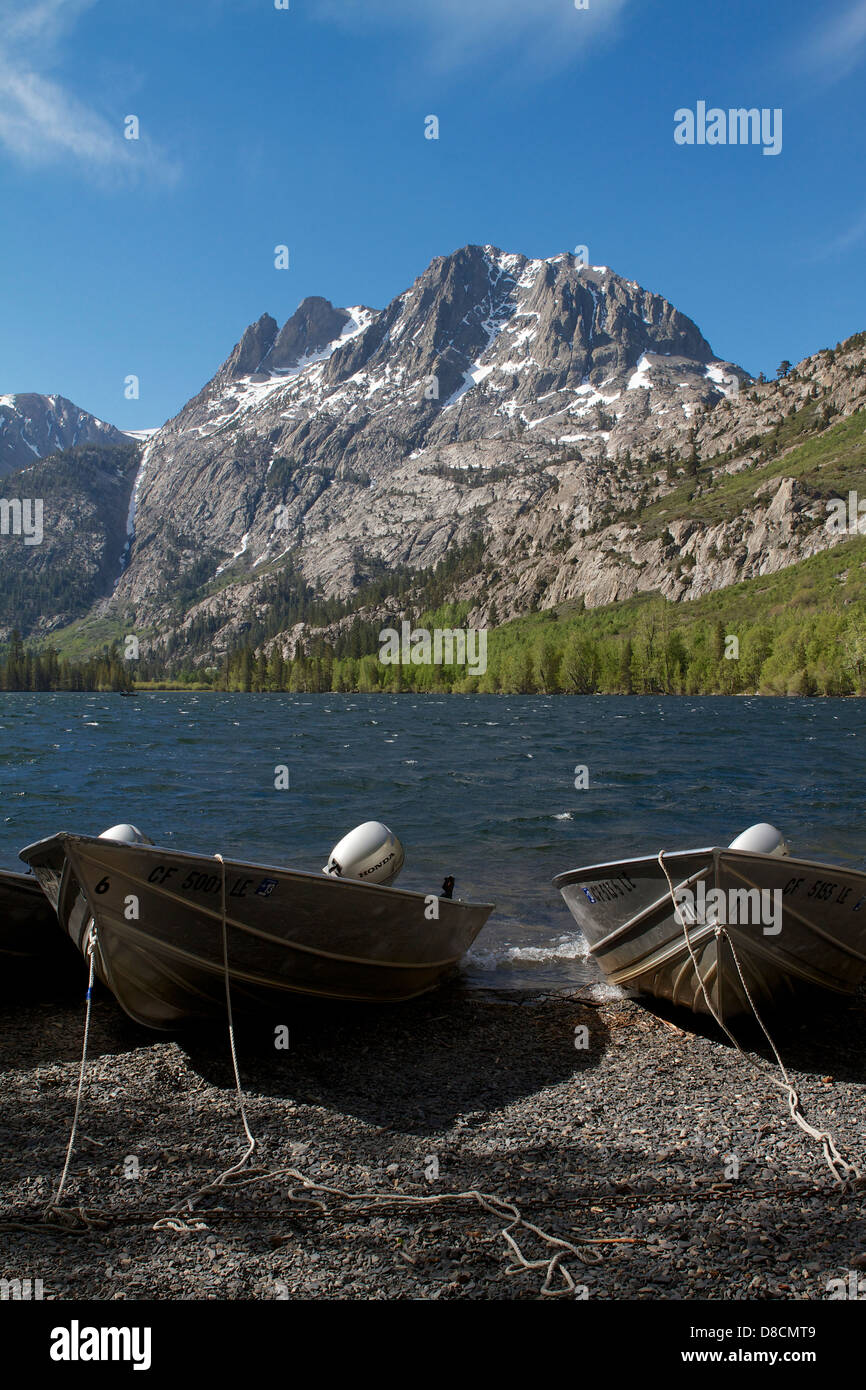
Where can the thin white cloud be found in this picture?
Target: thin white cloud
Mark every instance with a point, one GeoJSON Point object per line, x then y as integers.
{"type": "Point", "coordinates": [837, 44]}
{"type": "Point", "coordinates": [45, 20]}
{"type": "Point", "coordinates": [42, 122]}
{"type": "Point", "coordinates": [458, 32]}
{"type": "Point", "coordinates": [851, 237]}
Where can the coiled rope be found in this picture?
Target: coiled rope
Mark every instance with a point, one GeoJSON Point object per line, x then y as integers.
{"type": "Point", "coordinates": [843, 1169]}
{"type": "Point", "coordinates": [180, 1217]}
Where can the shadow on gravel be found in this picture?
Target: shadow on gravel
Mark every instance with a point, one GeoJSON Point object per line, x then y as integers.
{"type": "Point", "coordinates": [27, 981]}
{"type": "Point", "coordinates": [669, 1239]}
{"type": "Point", "coordinates": [821, 1036]}
{"type": "Point", "coordinates": [414, 1067]}
{"type": "Point", "coordinates": [34, 1035]}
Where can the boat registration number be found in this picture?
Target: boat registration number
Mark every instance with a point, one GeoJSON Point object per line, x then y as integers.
{"type": "Point", "coordinates": [823, 891]}
{"type": "Point", "coordinates": [608, 890]}
{"type": "Point", "coordinates": [197, 882]}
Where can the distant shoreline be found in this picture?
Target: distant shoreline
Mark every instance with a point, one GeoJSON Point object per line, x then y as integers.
{"type": "Point", "coordinates": [181, 689]}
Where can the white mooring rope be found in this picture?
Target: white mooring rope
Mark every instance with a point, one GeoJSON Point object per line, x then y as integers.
{"type": "Point", "coordinates": [841, 1168]}
{"type": "Point", "coordinates": [171, 1222]}
{"type": "Point", "coordinates": [498, 1206]}
{"type": "Point", "coordinates": [180, 1218]}
{"type": "Point", "coordinates": [54, 1204]}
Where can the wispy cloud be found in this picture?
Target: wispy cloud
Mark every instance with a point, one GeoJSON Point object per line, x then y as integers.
{"type": "Point", "coordinates": [837, 44]}
{"type": "Point", "coordinates": [458, 32]}
{"type": "Point", "coordinates": [41, 120]}
{"type": "Point", "coordinates": [852, 236]}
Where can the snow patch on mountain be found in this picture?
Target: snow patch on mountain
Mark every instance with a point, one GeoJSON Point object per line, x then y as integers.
{"type": "Point", "coordinates": [721, 375]}
{"type": "Point", "coordinates": [641, 376]}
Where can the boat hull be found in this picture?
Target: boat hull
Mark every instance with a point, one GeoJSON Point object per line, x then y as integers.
{"type": "Point", "coordinates": [158, 917]}
{"type": "Point", "coordinates": [35, 957]}
{"type": "Point", "coordinates": [814, 936]}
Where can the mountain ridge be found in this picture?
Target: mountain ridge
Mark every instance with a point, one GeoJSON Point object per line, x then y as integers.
{"type": "Point", "coordinates": [33, 426]}
{"type": "Point", "coordinates": [396, 385]}
{"type": "Point", "coordinates": [548, 412]}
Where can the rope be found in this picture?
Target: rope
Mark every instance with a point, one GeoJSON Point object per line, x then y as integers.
{"type": "Point", "coordinates": [53, 1206]}
{"type": "Point", "coordinates": [498, 1206]}
{"type": "Point", "coordinates": [691, 1194]}
{"type": "Point", "coordinates": [238, 1088]}
{"type": "Point", "coordinates": [678, 916]}
{"type": "Point", "coordinates": [176, 1223]}
{"type": "Point", "coordinates": [842, 1169]}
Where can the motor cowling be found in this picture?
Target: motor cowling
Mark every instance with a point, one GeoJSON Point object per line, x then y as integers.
{"type": "Point", "coordinates": [126, 834]}
{"type": "Point", "coordinates": [371, 852]}
{"type": "Point", "coordinates": [761, 839]}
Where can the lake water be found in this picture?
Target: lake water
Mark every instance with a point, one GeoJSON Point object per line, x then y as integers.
{"type": "Point", "coordinates": [482, 787]}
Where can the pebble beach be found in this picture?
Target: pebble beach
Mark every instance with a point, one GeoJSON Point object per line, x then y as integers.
{"type": "Point", "coordinates": [626, 1154]}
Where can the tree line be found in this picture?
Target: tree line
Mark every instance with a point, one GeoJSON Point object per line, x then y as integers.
{"type": "Point", "coordinates": [792, 653]}
{"type": "Point", "coordinates": [44, 669]}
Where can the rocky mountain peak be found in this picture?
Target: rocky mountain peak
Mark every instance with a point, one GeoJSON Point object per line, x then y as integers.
{"type": "Point", "coordinates": [552, 413]}
{"type": "Point", "coordinates": [491, 362]}
{"type": "Point", "coordinates": [249, 354]}
{"type": "Point", "coordinates": [314, 324]}
{"type": "Point", "coordinates": [33, 426]}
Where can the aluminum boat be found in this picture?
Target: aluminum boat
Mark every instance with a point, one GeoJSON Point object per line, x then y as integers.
{"type": "Point", "coordinates": [708, 928]}
{"type": "Point", "coordinates": [35, 957]}
{"type": "Point", "coordinates": [158, 919]}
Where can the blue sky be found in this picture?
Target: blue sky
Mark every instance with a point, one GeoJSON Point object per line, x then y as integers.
{"type": "Point", "coordinates": [305, 127]}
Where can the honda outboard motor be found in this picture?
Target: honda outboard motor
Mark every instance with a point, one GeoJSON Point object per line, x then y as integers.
{"type": "Point", "coordinates": [126, 834]}
{"type": "Point", "coordinates": [370, 852]}
{"type": "Point", "coordinates": [761, 839]}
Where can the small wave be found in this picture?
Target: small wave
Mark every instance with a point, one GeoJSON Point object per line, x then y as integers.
{"type": "Point", "coordinates": [565, 815]}
{"type": "Point", "coordinates": [602, 992]}
{"type": "Point", "coordinates": [566, 948]}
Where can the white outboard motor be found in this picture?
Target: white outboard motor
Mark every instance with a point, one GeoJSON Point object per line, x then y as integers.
{"type": "Point", "coordinates": [126, 834]}
{"type": "Point", "coordinates": [370, 852]}
{"type": "Point", "coordinates": [761, 839]}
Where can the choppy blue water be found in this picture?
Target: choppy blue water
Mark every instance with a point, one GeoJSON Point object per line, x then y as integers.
{"type": "Point", "coordinates": [482, 787]}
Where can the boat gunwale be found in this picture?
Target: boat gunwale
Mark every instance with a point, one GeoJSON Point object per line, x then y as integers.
{"type": "Point", "coordinates": [62, 837]}
{"type": "Point", "coordinates": [672, 856]}
{"type": "Point", "coordinates": [18, 880]}
{"type": "Point", "coordinates": [128, 931]}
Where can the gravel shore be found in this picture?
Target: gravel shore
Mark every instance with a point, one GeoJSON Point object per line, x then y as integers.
{"type": "Point", "coordinates": [665, 1157]}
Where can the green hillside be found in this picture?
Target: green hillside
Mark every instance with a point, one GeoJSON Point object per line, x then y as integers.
{"type": "Point", "coordinates": [799, 631]}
